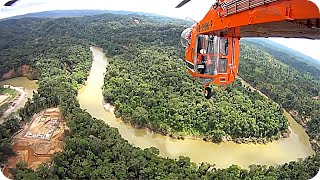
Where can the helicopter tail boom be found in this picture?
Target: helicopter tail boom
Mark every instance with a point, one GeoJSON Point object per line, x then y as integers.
{"type": "Point", "coordinates": [264, 18]}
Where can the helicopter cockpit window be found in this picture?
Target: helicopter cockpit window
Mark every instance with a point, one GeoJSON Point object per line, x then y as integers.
{"type": "Point", "coordinates": [186, 37]}
{"type": "Point", "coordinates": [224, 46]}
{"type": "Point", "coordinates": [201, 44]}
{"type": "Point", "coordinates": [207, 53]}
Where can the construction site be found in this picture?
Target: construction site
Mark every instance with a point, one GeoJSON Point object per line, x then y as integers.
{"type": "Point", "coordinates": [38, 140]}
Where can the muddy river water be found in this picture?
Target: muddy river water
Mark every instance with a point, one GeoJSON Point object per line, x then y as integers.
{"type": "Point", "coordinates": [28, 88]}
{"type": "Point", "coordinates": [223, 154]}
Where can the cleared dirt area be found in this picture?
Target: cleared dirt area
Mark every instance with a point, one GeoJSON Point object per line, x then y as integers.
{"type": "Point", "coordinates": [39, 139]}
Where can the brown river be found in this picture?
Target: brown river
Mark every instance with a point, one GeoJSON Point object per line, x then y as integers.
{"type": "Point", "coordinates": [223, 154]}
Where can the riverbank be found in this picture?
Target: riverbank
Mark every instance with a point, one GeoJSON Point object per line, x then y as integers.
{"type": "Point", "coordinates": [22, 71]}
{"type": "Point", "coordinates": [25, 87]}
{"type": "Point", "coordinates": [292, 114]}
{"type": "Point", "coordinates": [222, 155]}
{"type": "Point", "coordinates": [111, 108]}
{"type": "Point", "coordinates": [208, 138]}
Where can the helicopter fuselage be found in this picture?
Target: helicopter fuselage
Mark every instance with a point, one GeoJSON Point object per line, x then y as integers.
{"type": "Point", "coordinates": [213, 44]}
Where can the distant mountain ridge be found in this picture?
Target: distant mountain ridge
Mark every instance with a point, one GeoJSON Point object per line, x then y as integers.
{"type": "Point", "coordinates": [76, 13]}
{"type": "Point", "coordinates": [287, 55]}
{"type": "Point", "coordinates": [82, 13]}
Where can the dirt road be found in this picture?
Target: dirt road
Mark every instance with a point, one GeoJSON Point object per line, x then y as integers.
{"type": "Point", "coordinates": [22, 95]}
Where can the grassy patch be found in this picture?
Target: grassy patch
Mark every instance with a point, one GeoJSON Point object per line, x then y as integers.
{"type": "Point", "coordinates": [12, 92]}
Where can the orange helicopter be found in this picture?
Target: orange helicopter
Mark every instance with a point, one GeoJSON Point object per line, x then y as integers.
{"type": "Point", "coordinates": [213, 44]}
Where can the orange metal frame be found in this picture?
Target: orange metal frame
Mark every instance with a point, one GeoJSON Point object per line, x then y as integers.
{"type": "Point", "coordinates": [234, 19]}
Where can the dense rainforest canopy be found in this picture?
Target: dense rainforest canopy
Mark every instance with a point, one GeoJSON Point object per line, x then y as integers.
{"type": "Point", "coordinates": [294, 89]}
{"type": "Point", "coordinates": [58, 49]}
{"type": "Point", "coordinates": [153, 89]}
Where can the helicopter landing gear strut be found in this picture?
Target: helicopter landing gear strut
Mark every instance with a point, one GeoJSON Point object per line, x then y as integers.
{"type": "Point", "coordinates": [207, 91]}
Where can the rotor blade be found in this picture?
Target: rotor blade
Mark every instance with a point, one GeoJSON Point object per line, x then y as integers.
{"type": "Point", "coordinates": [182, 3]}
{"type": "Point", "coordinates": [9, 3]}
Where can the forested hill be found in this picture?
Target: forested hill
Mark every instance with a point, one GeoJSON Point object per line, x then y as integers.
{"type": "Point", "coordinates": [299, 61]}
{"type": "Point", "coordinates": [73, 13]}
{"type": "Point", "coordinates": [58, 49]}
{"type": "Point", "coordinates": [81, 13]}
{"type": "Point", "coordinates": [238, 114]}
{"type": "Point", "coordinates": [30, 33]}
{"type": "Point", "coordinates": [290, 86]}
{"type": "Point", "coordinates": [165, 84]}
{"type": "Point", "coordinates": [59, 14]}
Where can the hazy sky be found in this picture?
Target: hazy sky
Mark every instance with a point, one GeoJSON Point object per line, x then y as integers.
{"type": "Point", "coordinates": [195, 9]}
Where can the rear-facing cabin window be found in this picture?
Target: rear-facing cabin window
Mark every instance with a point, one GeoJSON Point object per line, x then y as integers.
{"type": "Point", "coordinates": [224, 46]}
{"type": "Point", "coordinates": [223, 65]}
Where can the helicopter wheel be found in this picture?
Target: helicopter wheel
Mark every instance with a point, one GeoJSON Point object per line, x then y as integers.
{"type": "Point", "coordinates": [207, 93]}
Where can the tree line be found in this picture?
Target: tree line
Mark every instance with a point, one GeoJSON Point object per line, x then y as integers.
{"type": "Point", "coordinates": [93, 150]}
{"type": "Point", "coordinates": [294, 90]}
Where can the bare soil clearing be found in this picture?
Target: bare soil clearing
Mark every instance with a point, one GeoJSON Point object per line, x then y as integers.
{"type": "Point", "coordinates": [39, 139]}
